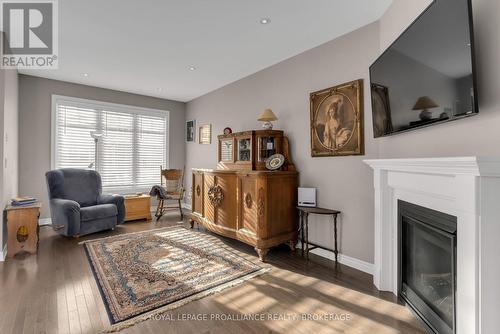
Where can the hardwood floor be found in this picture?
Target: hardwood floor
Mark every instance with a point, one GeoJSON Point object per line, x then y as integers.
{"type": "Point", "coordinates": [55, 292]}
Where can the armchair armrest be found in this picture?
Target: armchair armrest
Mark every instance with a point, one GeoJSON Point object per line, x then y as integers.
{"type": "Point", "coordinates": [117, 200]}
{"type": "Point", "coordinates": [65, 216]}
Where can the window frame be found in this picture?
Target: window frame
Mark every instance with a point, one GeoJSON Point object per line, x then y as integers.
{"type": "Point", "coordinates": [108, 106]}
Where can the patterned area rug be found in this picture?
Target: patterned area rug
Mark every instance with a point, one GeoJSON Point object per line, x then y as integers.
{"type": "Point", "coordinates": [145, 273]}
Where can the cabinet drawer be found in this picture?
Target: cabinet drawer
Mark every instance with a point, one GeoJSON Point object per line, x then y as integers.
{"type": "Point", "coordinates": [197, 193]}
{"type": "Point", "coordinates": [248, 204]}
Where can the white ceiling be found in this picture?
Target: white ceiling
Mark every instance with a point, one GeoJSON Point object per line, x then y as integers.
{"type": "Point", "coordinates": [147, 46]}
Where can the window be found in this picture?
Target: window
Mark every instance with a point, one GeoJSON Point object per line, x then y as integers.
{"type": "Point", "coordinates": [132, 143]}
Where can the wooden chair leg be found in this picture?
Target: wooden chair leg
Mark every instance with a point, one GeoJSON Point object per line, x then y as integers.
{"type": "Point", "coordinates": [180, 209]}
{"type": "Point", "coordinates": [159, 209]}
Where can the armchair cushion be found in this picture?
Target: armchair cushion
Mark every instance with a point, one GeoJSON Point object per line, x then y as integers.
{"type": "Point", "coordinates": [97, 212]}
{"type": "Point", "coordinates": [118, 201]}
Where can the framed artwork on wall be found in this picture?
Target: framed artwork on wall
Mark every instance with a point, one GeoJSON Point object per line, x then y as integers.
{"type": "Point", "coordinates": [205, 134]}
{"type": "Point", "coordinates": [337, 120]}
{"type": "Point", "coordinates": [190, 131]}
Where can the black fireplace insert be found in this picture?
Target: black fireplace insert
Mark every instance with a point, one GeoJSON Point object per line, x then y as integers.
{"type": "Point", "coordinates": [427, 265]}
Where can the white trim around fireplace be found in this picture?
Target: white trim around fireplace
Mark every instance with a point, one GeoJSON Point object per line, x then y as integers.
{"type": "Point", "coordinates": [465, 187]}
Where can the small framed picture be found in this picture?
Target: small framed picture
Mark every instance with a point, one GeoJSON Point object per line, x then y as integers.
{"type": "Point", "coordinates": [190, 131]}
{"type": "Point", "coordinates": [205, 134]}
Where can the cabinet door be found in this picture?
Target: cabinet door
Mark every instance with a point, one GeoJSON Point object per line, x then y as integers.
{"type": "Point", "coordinates": [226, 153]}
{"type": "Point", "coordinates": [248, 203]}
{"type": "Point", "coordinates": [197, 193]}
{"type": "Point", "coordinates": [208, 207]}
{"type": "Point", "coordinates": [244, 149]}
{"type": "Point", "coordinates": [224, 200]}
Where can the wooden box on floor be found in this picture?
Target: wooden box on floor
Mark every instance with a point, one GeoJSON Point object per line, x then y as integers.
{"type": "Point", "coordinates": [22, 228]}
{"type": "Point", "coordinates": [137, 207]}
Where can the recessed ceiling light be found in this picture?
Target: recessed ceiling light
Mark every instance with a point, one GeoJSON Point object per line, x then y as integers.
{"type": "Point", "coordinates": [85, 74]}
{"type": "Point", "coordinates": [192, 68]}
{"type": "Point", "coordinates": [265, 20]}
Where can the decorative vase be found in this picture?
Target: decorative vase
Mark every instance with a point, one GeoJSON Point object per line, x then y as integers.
{"type": "Point", "coordinates": [425, 115]}
{"type": "Point", "coordinates": [267, 126]}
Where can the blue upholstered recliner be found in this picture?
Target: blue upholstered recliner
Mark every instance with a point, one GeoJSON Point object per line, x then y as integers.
{"type": "Point", "coordinates": [77, 205]}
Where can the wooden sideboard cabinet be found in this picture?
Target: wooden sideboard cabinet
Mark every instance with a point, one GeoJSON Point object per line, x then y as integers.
{"type": "Point", "coordinates": [255, 207]}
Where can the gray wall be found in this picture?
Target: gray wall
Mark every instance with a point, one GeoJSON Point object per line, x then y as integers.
{"type": "Point", "coordinates": [11, 135]}
{"type": "Point", "coordinates": [343, 182]}
{"type": "Point", "coordinates": [9, 144]}
{"type": "Point", "coordinates": [35, 126]}
{"type": "Point", "coordinates": [10, 138]}
{"type": "Point", "coordinates": [346, 183]}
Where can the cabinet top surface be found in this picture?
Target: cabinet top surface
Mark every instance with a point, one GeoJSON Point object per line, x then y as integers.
{"type": "Point", "coordinates": [142, 196]}
{"type": "Point", "coordinates": [250, 132]}
{"type": "Point", "coordinates": [244, 172]}
{"type": "Point", "coordinates": [317, 210]}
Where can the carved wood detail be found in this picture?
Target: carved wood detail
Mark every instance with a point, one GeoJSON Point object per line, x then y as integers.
{"type": "Point", "coordinates": [248, 200]}
{"type": "Point", "coordinates": [215, 195]}
{"type": "Point", "coordinates": [198, 190]}
{"type": "Point", "coordinates": [261, 203]}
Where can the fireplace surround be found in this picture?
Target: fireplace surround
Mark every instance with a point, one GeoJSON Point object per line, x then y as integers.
{"type": "Point", "coordinates": [467, 188]}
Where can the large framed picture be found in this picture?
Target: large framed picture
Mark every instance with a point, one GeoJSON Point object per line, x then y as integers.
{"type": "Point", "coordinates": [190, 131]}
{"type": "Point", "coordinates": [337, 120]}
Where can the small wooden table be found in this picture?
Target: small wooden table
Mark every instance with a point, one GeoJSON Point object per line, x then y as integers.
{"type": "Point", "coordinates": [137, 207]}
{"type": "Point", "coordinates": [304, 212]}
{"type": "Point", "coordinates": [22, 228]}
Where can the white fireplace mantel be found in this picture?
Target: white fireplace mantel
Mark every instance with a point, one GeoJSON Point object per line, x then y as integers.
{"type": "Point", "coordinates": [465, 187]}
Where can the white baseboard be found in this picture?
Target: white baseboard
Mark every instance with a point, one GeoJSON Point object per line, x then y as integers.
{"type": "Point", "coordinates": [3, 253]}
{"type": "Point", "coordinates": [44, 221]}
{"type": "Point", "coordinates": [344, 259]}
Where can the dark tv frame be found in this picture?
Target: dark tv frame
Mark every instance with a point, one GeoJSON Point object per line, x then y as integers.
{"type": "Point", "coordinates": [474, 71]}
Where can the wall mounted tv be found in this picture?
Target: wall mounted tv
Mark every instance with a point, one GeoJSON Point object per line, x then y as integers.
{"type": "Point", "coordinates": [427, 75]}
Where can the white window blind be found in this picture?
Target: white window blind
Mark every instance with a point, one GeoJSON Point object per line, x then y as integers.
{"type": "Point", "coordinates": [133, 146]}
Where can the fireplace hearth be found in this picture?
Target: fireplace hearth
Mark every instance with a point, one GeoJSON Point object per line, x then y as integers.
{"type": "Point", "coordinates": [427, 265]}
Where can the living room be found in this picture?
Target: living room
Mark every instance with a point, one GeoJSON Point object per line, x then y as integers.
{"type": "Point", "coordinates": [259, 220]}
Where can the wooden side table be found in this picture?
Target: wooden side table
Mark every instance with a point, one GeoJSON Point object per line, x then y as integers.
{"type": "Point", "coordinates": [304, 228]}
{"type": "Point", "coordinates": [22, 228]}
{"type": "Point", "coordinates": [137, 207]}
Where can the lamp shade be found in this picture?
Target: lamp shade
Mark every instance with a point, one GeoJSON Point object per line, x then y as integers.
{"type": "Point", "coordinates": [267, 116]}
{"type": "Point", "coordinates": [424, 102]}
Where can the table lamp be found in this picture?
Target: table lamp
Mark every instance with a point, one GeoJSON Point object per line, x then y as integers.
{"type": "Point", "coordinates": [423, 103]}
{"type": "Point", "coordinates": [267, 117]}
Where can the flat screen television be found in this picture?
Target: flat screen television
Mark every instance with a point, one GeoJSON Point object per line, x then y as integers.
{"type": "Point", "coordinates": [427, 76]}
